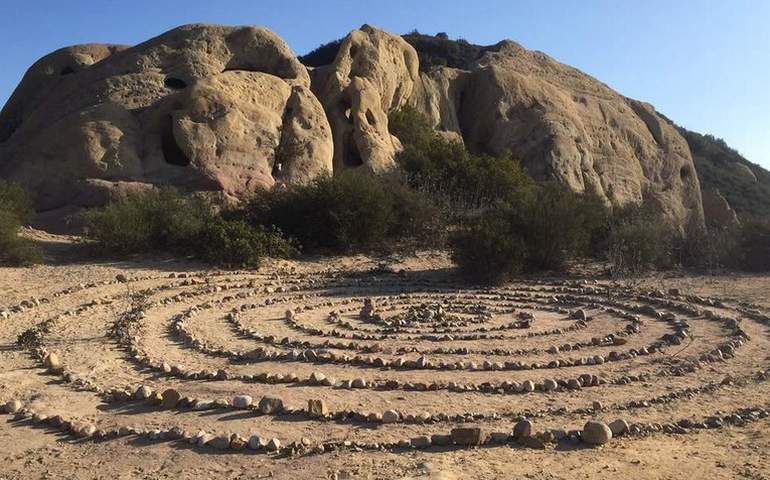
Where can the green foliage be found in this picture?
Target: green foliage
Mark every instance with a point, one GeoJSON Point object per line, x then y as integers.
{"type": "Point", "coordinates": [235, 243]}
{"type": "Point", "coordinates": [15, 210]}
{"type": "Point", "coordinates": [447, 169]}
{"type": "Point", "coordinates": [542, 229]}
{"type": "Point", "coordinates": [353, 211]}
{"type": "Point", "coordinates": [162, 220]}
{"type": "Point", "coordinates": [487, 248]}
{"type": "Point", "coordinates": [323, 55]}
{"type": "Point", "coordinates": [754, 245]}
{"type": "Point", "coordinates": [439, 50]}
{"type": "Point", "coordinates": [721, 167]}
{"type": "Point", "coordinates": [636, 239]}
{"type": "Point", "coordinates": [15, 200]}
{"type": "Point", "coordinates": [166, 221]}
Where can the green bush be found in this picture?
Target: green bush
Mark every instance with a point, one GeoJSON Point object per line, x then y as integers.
{"type": "Point", "coordinates": [557, 224]}
{"type": "Point", "coordinates": [754, 245]}
{"type": "Point", "coordinates": [167, 221]}
{"type": "Point", "coordinates": [541, 230]}
{"type": "Point", "coordinates": [15, 210]}
{"type": "Point", "coordinates": [162, 220]}
{"type": "Point", "coordinates": [487, 248]}
{"type": "Point", "coordinates": [353, 211]}
{"type": "Point", "coordinates": [235, 243]}
{"type": "Point", "coordinates": [637, 239]}
{"type": "Point", "coordinates": [446, 169]}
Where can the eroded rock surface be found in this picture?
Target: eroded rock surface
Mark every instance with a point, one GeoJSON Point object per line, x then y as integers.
{"type": "Point", "coordinates": [231, 109]}
{"type": "Point", "coordinates": [201, 107]}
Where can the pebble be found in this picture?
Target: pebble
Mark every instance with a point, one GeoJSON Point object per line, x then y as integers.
{"type": "Point", "coordinates": [53, 363]}
{"type": "Point", "coordinates": [268, 405]}
{"type": "Point", "coordinates": [522, 429]}
{"type": "Point", "coordinates": [596, 433]}
{"type": "Point", "coordinates": [390, 416]}
{"type": "Point", "coordinates": [467, 436]}
{"type": "Point", "coordinates": [317, 408]}
{"type": "Point", "coordinates": [242, 401]}
{"type": "Point", "coordinates": [618, 427]}
{"type": "Point", "coordinates": [170, 398]}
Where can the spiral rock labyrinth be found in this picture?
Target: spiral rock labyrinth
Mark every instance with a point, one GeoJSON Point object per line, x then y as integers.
{"type": "Point", "coordinates": [304, 363]}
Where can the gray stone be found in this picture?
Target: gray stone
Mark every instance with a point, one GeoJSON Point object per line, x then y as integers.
{"type": "Point", "coordinates": [596, 433]}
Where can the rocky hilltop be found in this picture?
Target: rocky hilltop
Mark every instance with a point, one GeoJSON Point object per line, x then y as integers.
{"type": "Point", "coordinates": [232, 109]}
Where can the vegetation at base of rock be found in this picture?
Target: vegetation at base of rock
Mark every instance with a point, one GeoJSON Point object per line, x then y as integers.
{"type": "Point", "coordinates": [745, 185]}
{"type": "Point", "coordinates": [753, 245]}
{"type": "Point", "coordinates": [543, 229]}
{"type": "Point", "coordinates": [350, 212]}
{"type": "Point", "coordinates": [15, 211]}
{"type": "Point", "coordinates": [635, 239]}
{"type": "Point", "coordinates": [445, 168]}
{"type": "Point", "coordinates": [166, 220]}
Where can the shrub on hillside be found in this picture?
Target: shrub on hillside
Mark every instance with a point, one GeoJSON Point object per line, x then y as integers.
{"type": "Point", "coordinates": [353, 211]}
{"type": "Point", "coordinates": [446, 169]}
{"type": "Point", "coordinates": [15, 210]}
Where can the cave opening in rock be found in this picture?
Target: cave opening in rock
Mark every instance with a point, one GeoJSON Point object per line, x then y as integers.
{"type": "Point", "coordinates": [66, 70]}
{"type": "Point", "coordinates": [352, 156]}
{"type": "Point", "coordinates": [175, 83]}
{"type": "Point", "coordinates": [370, 118]}
{"type": "Point", "coordinates": [172, 154]}
{"type": "Point", "coordinates": [684, 173]}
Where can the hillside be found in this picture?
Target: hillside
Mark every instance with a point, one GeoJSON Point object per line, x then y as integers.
{"type": "Point", "coordinates": [744, 184]}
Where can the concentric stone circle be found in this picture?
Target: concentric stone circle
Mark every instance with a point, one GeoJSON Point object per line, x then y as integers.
{"type": "Point", "coordinates": [324, 360]}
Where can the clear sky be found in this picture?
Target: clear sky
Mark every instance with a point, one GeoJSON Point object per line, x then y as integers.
{"type": "Point", "coordinates": [705, 64]}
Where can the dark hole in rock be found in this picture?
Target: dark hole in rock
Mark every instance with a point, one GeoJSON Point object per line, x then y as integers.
{"type": "Point", "coordinates": [684, 173]}
{"type": "Point", "coordinates": [172, 154]}
{"type": "Point", "coordinates": [352, 156]}
{"type": "Point", "coordinates": [66, 70]}
{"type": "Point", "coordinates": [175, 83]}
{"type": "Point", "coordinates": [370, 118]}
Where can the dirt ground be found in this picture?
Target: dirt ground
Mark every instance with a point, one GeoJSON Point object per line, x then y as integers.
{"type": "Point", "coordinates": [81, 302]}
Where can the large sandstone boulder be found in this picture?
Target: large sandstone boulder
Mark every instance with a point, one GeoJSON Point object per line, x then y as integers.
{"type": "Point", "coordinates": [564, 125]}
{"type": "Point", "coordinates": [373, 74]}
{"type": "Point", "coordinates": [201, 107]}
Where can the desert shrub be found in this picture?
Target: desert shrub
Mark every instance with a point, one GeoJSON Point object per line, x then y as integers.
{"type": "Point", "coordinates": [162, 220]}
{"type": "Point", "coordinates": [16, 201]}
{"type": "Point", "coordinates": [542, 229]}
{"type": "Point", "coordinates": [352, 211]}
{"type": "Point", "coordinates": [638, 239]}
{"type": "Point", "coordinates": [487, 248]}
{"type": "Point", "coordinates": [236, 243]}
{"type": "Point", "coordinates": [15, 211]}
{"type": "Point", "coordinates": [165, 220]}
{"type": "Point", "coordinates": [446, 169]}
{"type": "Point", "coordinates": [557, 224]}
{"type": "Point", "coordinates": [753, 245]}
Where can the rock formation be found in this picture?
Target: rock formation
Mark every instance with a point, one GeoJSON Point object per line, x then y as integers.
{"type": "Point", "coordinates": [211, 108]}
{"type": "Point", "coordinates": [205, 108]}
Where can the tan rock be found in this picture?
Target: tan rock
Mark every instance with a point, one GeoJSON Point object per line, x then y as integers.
{"type": "Point", "coordinates": [203, 107]}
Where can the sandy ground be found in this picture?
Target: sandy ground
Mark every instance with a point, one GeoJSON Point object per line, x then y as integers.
{"type": "Point", "coordinates": [81, 337]}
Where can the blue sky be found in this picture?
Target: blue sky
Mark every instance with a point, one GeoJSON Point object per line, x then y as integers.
{"type": "Point", "coordinates": [704, 64]}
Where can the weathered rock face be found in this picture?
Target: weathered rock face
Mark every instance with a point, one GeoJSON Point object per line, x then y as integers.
{"type": "Point", "coordinates": [227, 109]}
{"type": "Point", "coordinates": [718, 211]}
{"type": "Point", "coordinates": [374, 73]}
{"type": "Point", "coordinates": [565, 125]}
{"type": "Point", "coordinates": [200, 107]}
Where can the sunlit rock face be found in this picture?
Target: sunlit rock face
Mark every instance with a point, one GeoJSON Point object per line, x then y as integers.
{"type": "Point", "coordinates": [231, 109]}
{"type": "Point", "coordinates": [201, 107]}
